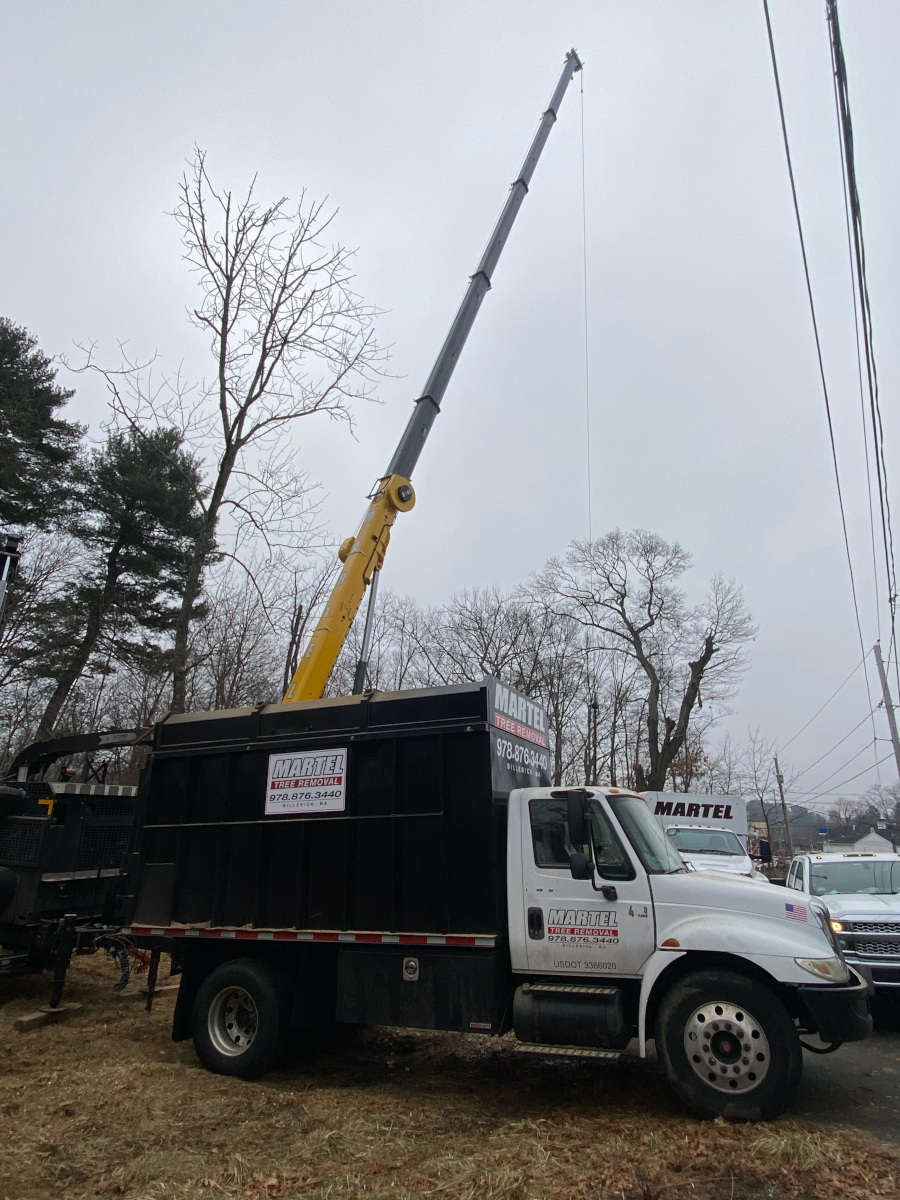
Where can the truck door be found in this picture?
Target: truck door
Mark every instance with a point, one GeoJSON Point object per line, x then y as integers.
{"type": "Point", "coordinates": [599, 926]}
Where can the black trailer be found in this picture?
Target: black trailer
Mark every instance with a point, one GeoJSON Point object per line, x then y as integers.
{"type": "Point", "coordinates": [64, 850]}
{"type": "Point", "coordinates": [340, 860]}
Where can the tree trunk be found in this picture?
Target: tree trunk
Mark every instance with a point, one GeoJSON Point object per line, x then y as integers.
{"type": "Point", "coordinates": [82, 653]}
{"type": "Point", "coordinates": [192, 587]}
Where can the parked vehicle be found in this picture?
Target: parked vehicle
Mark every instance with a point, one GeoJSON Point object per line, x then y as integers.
{"type": "Point", "coordinates": [63, 849]}
{"type": "Point", "coordinates": [862, 894]}
{"type": "Point", "coordinates": [400, 859]}
{"type": "Point", "coordinates": [709, 831]}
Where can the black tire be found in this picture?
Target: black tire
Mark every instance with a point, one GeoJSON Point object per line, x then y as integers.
{"type": "Point", "coordinates": [728, 1046]}
{"type": "Point", "coordinates": [239, 1020]}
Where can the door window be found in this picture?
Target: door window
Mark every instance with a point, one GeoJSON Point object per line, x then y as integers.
{"type": "Point", "coordinates": [798, 877]}
{"type": "Point", "coordinates": [552, 846]}
{"type": "Point", "coordinates": [791, 873]}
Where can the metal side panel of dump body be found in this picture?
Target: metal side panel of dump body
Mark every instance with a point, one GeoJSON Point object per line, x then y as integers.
{"type": "Point", "coordinates": [376, 818]}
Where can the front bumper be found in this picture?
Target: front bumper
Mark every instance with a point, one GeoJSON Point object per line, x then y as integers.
{"type": "Point", "coordinates": [885, 974]}
{"type": "Point", "coordinates": [838, 1012]}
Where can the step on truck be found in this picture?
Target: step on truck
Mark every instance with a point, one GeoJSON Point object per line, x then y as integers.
{"type": "Point", "coordinates": [401, 859]}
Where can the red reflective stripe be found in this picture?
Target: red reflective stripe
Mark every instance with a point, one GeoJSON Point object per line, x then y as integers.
{"type": "Point", "coordinates": [325, 935]}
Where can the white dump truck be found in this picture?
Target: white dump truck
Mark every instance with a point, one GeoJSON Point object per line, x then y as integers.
{"type": "Point", "coordinates": [400, 859]}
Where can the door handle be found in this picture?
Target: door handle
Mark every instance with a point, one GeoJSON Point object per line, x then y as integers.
{"type": "Point", "coordinates": [535, 923]}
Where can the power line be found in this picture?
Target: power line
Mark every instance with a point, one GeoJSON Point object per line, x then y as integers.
{"type": "Point", "coordinates": [833, 748]}
{"type": "Point", "coordinates": [840, 786]}
{"type": "Point", "coordinates": [827, 702]}
{"type": "Point", "coordinates": [815, 325]}
{"type": "Point", "coordinates": [863, 308]}
{"type": "Point", "coordinates": [838, 770]}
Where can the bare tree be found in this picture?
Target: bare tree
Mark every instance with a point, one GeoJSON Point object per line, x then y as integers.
{"type": "Point", "coordinates": [289, 338]}
{"type": "Point", "coordinates": [724, 768]}
{"type": "Point", "coordinates": [624, 586]}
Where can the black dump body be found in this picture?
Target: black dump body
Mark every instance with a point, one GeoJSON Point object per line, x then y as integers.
{"type": "Point", "coordinates": [63, 847]}
{"type": "Point", "coordinates": [396, 821]}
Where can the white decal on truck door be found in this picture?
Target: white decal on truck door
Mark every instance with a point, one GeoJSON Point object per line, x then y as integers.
{"type": "Point", "coordinates": [314, 781]}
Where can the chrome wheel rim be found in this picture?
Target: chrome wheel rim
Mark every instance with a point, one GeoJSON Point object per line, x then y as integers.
{"type": "Point", "coordinates": [233, 1021]}
{"type": "Point", "coordinates": [727, 1047]}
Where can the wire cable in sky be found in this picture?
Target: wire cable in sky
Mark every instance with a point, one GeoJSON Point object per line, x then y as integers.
{"type": "Point", "coordinates": [832, 750]}
{"type": "Point", "coordinates": [817, 787]}
{"type": "Point", "coordinates": [827, 702]}
{"type": "Point", "coordinates": [862, 305]}
{"type": "Point", "coordinates": [839, 787]}
{"type": "Point", "coordinates": [587, 363]}
{"type": "Point", "coordinates": [815, 325]}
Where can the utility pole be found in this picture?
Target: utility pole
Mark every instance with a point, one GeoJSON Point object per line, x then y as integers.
{"type": "Point", "coordinates": [789, 845]}
{"type": "Point", "coordinates": [888, 704]}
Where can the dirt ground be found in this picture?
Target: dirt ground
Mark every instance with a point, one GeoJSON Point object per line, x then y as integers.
{"type": "Point", "coordinates": [106, 1105]}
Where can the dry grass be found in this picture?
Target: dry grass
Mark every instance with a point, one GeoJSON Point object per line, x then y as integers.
{"type": "Point", "coordinates": [106, 1105]}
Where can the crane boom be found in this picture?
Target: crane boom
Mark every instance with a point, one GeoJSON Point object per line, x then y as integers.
{"type": "Point", "coordinates": [363, 554]}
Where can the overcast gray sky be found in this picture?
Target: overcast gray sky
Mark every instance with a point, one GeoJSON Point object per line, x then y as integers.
{"type": "Point", "coordinates": [707, 420]}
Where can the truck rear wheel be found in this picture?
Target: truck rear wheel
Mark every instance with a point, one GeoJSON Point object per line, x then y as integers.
{"type": "Point", "coordinates": [239, 1019]}
{"type": "Point", "coordinates": [728, 1046]}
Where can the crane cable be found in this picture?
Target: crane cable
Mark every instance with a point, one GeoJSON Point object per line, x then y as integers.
{"type": "Point", "coordinates": [815, 325]}
{"type": "Point", "coordinates": [587, 364]}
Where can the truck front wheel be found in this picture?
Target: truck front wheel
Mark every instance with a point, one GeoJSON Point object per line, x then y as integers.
{"type": "Point", "coordinates": [238, 1022]}
{"type": "Point", "coordinates": [728, 1046]}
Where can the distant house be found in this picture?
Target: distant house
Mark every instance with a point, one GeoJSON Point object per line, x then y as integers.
{"type": "Point", "coordinates": [859, 839]}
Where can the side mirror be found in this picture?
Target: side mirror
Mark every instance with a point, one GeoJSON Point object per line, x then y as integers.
{"type": "Point", "coordinates": [578, 834]}
{"type": "Point", "coordinates": [581, 866]}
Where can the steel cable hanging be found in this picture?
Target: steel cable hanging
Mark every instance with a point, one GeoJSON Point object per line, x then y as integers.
{"type": "Point", "coordinates": [587, 364]}
{"type": "Point", "coordinates": [815, 325]}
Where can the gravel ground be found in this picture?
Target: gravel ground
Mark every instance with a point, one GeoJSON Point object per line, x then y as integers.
{"type": "Point", "coordinates": [106, 1105]}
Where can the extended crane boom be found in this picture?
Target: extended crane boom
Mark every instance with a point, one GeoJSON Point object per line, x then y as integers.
{"type": "Point", "coordinates": [362, 556]}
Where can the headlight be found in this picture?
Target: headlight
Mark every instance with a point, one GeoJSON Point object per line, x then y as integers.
{"type": "Point", "coordinates": [831, 970]}
{"type": "Point", "coordinates": [837, 927]}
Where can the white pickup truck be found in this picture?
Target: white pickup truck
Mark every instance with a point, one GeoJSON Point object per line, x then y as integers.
{"type": "Point", "coordinates": [862, 893]}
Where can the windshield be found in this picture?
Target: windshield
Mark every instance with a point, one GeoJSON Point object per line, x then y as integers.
{"type": "Point", "coordinates": [706, 841]}
{"type": "Point", "coordinates": [860, 878]}
{"type": "Point", "coordinates": [654, 849]}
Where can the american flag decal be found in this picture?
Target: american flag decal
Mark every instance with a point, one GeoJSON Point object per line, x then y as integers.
{"type": "Point", "coordinates": [796, 912]}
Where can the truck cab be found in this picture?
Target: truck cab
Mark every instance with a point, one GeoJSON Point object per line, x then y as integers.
{"type": "Point", "coordinates": [722, 973]}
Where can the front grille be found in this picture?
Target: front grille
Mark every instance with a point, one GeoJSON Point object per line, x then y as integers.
{"type": "Point", "coordinates": [876, 926]}
{"type": "Point", "coordinates": [867, 946]}
{"type": "Point", "coordinates": [20, 840]}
